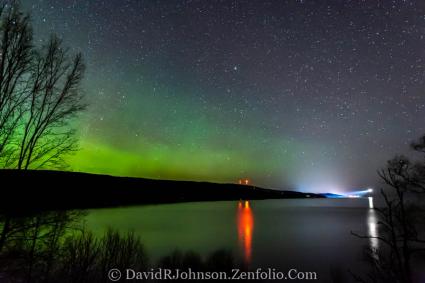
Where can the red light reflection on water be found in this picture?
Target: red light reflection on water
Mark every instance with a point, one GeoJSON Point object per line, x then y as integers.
{"type": "Point", "coordinates": [245, 222]}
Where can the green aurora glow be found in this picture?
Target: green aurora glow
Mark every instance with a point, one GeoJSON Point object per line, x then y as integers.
{"type": "Point", "coordinates": [221, 91]}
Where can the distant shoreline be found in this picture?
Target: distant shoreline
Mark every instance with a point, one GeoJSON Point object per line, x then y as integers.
{"type": "Point", "coordinates": [36, 190]}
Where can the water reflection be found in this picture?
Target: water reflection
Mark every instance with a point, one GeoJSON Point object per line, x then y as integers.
{"type": "Point", "coordinates": [372, 226]}
{"type": "Point", "coordinates": [370, 202]}
{"type": "Point", "coordinates": [56, 247]}
{"type": "Point", "coordinates": [245, 222]}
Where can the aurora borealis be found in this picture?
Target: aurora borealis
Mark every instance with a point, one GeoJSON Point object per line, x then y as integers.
{"type": "Point", "coordinates": [310, 95]}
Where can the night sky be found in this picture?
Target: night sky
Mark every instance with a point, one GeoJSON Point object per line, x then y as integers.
{"type": "Point", "coordinates": [310, 95]}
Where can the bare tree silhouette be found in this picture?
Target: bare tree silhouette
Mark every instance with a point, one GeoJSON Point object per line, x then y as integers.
{"type": "Point", "coordinates": [39, 96]}
{"type": "Point", "coordinates": [401, 228]}
{"type": "Point", "coordinates": [55, 99]}
{"type": "Point", "coordinates": [15, 63]}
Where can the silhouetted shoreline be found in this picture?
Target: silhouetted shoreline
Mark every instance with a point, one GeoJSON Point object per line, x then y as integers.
{"type": "Point", "coordinates": [56, 190]}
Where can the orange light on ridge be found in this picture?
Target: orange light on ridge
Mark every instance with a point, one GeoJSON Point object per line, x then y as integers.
{"type": "Point", "coordinates": [245, 181]}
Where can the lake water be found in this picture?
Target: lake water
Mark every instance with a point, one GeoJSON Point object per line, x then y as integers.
{"type": "Point", "coordinates": [306, 234]}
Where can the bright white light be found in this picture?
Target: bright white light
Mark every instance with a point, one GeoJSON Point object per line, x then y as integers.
{"type": "Point", "coordinates": [353, 196]}
{"type": "Point", "coordinates": [358, 194]}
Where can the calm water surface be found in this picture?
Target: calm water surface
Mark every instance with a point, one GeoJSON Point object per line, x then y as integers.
{"type": "Point", "coordinates": [307, 234]}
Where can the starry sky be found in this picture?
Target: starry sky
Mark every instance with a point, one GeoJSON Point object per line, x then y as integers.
{"type": "Point", "coordinates": [309, 95]}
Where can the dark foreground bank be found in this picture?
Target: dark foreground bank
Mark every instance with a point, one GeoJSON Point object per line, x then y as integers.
{"type": "Point", "coordinates": [50, 190]}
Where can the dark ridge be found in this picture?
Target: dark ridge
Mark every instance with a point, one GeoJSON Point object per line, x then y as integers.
{"type": "Point", "coordinates": [35, 190]}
